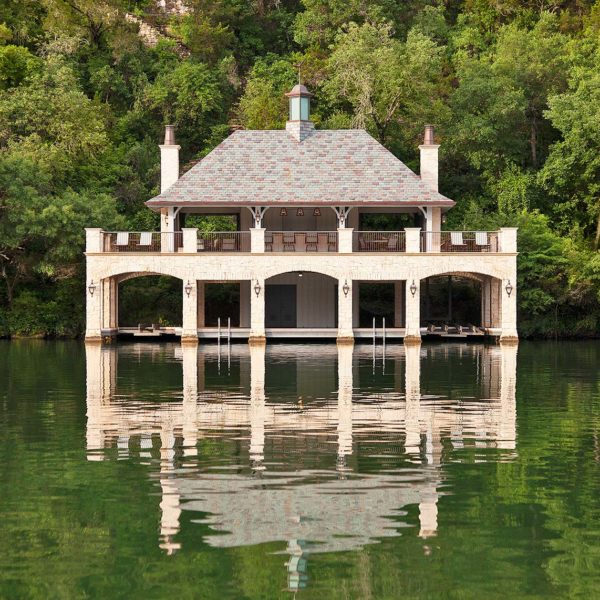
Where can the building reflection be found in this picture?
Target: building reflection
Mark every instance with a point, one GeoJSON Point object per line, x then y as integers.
{"type": "Point", "coordinates": [259, 502]}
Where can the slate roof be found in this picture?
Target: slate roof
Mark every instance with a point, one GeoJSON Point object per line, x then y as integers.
{"type": "Point", "coordinates": [335, 167]}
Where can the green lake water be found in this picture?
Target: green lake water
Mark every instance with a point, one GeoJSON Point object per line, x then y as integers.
{"type": "Point", "coordinates": [307, 471]}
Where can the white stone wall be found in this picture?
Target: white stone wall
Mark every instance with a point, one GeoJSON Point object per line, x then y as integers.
{"type": "Point", "coordinates": [250, 267]}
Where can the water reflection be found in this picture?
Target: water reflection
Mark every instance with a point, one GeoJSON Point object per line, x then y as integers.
{"type": "Point", "coordinates": [319, 464]}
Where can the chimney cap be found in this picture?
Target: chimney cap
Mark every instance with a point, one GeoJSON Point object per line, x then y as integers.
{"type": "Point", "coordinates": [299, 90]}
{"type": "Point", "coordinates": [170, 135]}
{"type": "Point", "coordinates": [428, 139]}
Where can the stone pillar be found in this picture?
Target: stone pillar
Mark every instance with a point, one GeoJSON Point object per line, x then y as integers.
{"type": "Point", "coordinates": [93, 239]}
{"type": "Point", "coordinates": [399, 303]}
{"type": "Point", "coordinates": [110, 304]}
{"type": "Point", "coordinates": [189, 333]}
{"type": "Point", "coordinates": [412, 321]}
{"type": "Point", "coordinates": [345, 331]}
{"type": "Point", "coordinates": [190, 240]}
{"type": "Point", "coordinates": [168, 222]}
{"type": "Point", "coordinates": [413, 239]}
{"type": "Point", "coordinates": [508, 307]}
{"type": "Point", "coordinates": [257, 312]}
{"type": "Point", "coordinates": [507, 239]}
{"type": "Point", "coordinates": [433, 225]}
{"type": "Point", "coordinates": [257, 240]}
{"type": "Point", "coordinates": [94, 310]}
{"type": "Point", "coordinates": [201, 304]}
{"type": "Point", "coordinates": [345, 240]}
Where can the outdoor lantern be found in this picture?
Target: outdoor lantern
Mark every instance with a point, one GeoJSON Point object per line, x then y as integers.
{"type": "Point", "coordinates": [300, 212]}
{"type": "Point", "coordinates": [509, 288]}
{"type": "Point", "coordinates": [92, 288]}
{"type": "Point", "coordinates": [257, 288]}
{"type": "Point", "coordinates": [283, 212]}
{"type": "Point", "coordinates": [188, 288]}
{"type": "Point", "coordinates": [317, 212]}
{"type": "Point", "coordinates": [346, 288]}
{"type": "Point", "coordinates": [413, 288]}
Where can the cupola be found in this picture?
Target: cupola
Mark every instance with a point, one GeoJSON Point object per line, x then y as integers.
{"type": "Point", "coordinates": [299, 124]}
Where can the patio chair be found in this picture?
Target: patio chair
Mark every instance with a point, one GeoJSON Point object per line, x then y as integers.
{"type": "Point", "coordinates": [268, 242]}
{"type": "Point", "coordinates": [289, 242]}
{"type": "Point", "coordinates": [312, 240]}
{"type": "Point", "coordinates": [228, 245]}
{"type": "Point", "coordinates": [122, 239]}
{"type": "Point", "coordinates": [482, 241]}
{"type": "Point", "coordinates": [145, 239]}
{"type": "Point", "coordinates": [456, 238]}
{"type": "Point", "coordinates": [332, 241]}
{"type": "Point", "coordinates": [392, 244]}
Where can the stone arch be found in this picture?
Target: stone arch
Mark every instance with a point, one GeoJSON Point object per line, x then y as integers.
{"type": "Point", "coordinates": [301, 299]}
{"type": "Point", "coordinates": [490, 298]}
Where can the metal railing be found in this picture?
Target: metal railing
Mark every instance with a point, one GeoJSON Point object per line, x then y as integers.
{"type": "Point", "coordinates": [142, 241]}
{"type": "Point", "coordinates": [223, 241]}
{"type": "Point", "coordinates": [379, 241]}
{"type": "Point", "coordinates": [459, 241]}
{"type": "Point", "coordinates": [301, 241]}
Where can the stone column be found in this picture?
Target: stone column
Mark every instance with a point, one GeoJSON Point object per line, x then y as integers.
{"type": "Point", "coordinates": [508, 307]}
{"type": "Point", "coordinates": [94, 310]}
{"type": "Point", "coordinates": [190, 240]}
{"type": "Point", "coordinates": [412, 321]}
{"type": "Point", "coordinates": [189, 333]}
{"type": "Point", "coordinates": [257, 312]}
{"type": "Point", "coordinates": [433, 224]}
{"type": "Point", "coordinates": [413, 239]}
{"type": "Point", "coordinates": [345, 331]}
{"type": "Point", "coordinates": [345, 240]}
{"type": "Point", "coordinates": [257, 240]}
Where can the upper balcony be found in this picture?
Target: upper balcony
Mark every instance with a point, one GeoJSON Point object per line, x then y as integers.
{"type": "Point", "coordinates": [345, 241]}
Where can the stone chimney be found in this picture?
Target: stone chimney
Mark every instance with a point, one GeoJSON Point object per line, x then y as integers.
{"type": "Point", "coordinates": [169, 160]}
{"type": "Point", "coordinates": [299, 125]}
{"type": "Point", "coordinates": [429, 160]}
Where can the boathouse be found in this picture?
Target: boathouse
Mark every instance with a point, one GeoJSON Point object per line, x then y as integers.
{"type": "Point", "coordinates": [302, 203]}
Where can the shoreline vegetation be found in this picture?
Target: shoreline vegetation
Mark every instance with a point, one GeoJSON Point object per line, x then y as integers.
{"type": "Point", "coordinates": [86, 87]}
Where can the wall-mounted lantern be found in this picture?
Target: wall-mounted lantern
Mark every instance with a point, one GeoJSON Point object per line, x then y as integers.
{"type": "Point", "coordinates": [346, 288]}
{"type": "Point", "coordinates": [509, 288]}
{"type": "Point", "coordinates": [188, 288]}
{"type": "Point", "coordinates": [413, 288]}
{"type": "Point", "coordinates": [92, 287]}
{"type": "Point", "coordinates": [257, 288]}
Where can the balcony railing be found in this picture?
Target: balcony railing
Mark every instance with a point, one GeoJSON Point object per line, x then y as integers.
{"type": "Point", "coordinates": [376, 242]}
{"type": "Point", "coordinates": [301, 241]}
{"type": "Point", "coordinates": [459, 241]}
{"type": "Point", "coordinates": [142, 241]}
{"type": "Point", "coordinates": [379, 241]}
{"type": "Point", "coordinates": [223, 241]}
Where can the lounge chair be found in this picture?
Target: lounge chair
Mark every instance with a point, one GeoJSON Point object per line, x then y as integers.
{"type": "Point", "coordinates": [392, 244]}
{"type": "Point", "coordinates": [482, 241]}
{"type": "Point", "coordinates": [456, 238]}
{"type": "Point", "coordinates": [145, 239]}
{"type": "Point", "coordinates": [122, 239]}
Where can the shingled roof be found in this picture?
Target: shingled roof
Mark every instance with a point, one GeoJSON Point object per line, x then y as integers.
{"type": "Point", "coordinates": [329, 167]}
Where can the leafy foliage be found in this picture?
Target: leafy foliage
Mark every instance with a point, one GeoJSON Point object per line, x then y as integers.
{"type": "Point", "coordinates": [86, 87]}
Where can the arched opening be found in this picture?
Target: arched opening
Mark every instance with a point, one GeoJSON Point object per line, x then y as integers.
{"type": "Point", "coordinates": [301, 299]}
{"type": "Point", "coordinates": [149, 301]}
{"type": "Point", "coordinates": [460, 300]}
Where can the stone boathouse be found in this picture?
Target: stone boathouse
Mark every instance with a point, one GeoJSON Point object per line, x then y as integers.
{"type": "Point", "coordinates": [302, 203]}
